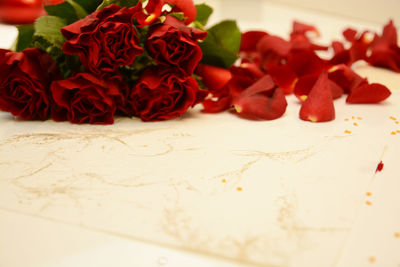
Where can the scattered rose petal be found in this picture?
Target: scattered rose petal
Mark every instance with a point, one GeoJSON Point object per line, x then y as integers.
{"type": "Point", "coordinates": [248, 68]}
{"type": "Point", "coordinates": [318, 107]}
{"type": "Point", "coordinates": [305, 63]}
{"type": "Point", "coordinates": [250, 40]}
{"type": "Point", "coordinates": [306, 83]}
{"type": "Point", "coordinates": [273, 50]}
{"type": "Point", "coordinates": [368, 94]}
{"type": "Point", "coordinates": [299, 39]}
{"type": "Point", "coordinates": [222, 98]}
{"type": "Point", "coordinates": [301, 28]}
{"type": "Point", "coordinates": [261, 101]}
{"type": "Point", "coordinates": [345, 77]}
{"type": "Point", "coordinates": [379, 168]}
{"type": "Point", "coordinates": [385, 50]}
{"type": "Point", "coordinates": [216, 106]}
{"type": "Point", "coordinates": [284, 77]}
{"type": "Point", "coordinates": [214, 78]}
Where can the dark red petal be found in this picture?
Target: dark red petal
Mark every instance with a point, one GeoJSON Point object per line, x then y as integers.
{"type": "Point", "coordinates": [385, 51]}
{"type": "Point", "coordinates": [238, 84]}
{"type": "Point", "coordinates": [214, 78]}
{"type": "Point", "coordinates": [368, 94]}
{"type": "Point", "coordinates": [215, 106]}
{"type": "Point", "coordinates": [273, 43]}
{"type": "Point", "coordinates": [385, 58]}
{"type": "Point", "coordinates": [379, 168]}
{"type": "Point", "coordinates": [301, 28]}
{"type": "Point", "coordinates": [350, 34]}
{"type": "Point", "coordinates": [345, 77]}
{"type": "Point", "coordinates": [272, 49]}
{"type": "Point", "coordinates": [263, 85]}
{"type": "Point", "coordinates": [248, 69]}
{"type": "Point", "coordinates": [319, 106]}
{"type": "Point", "coordinates": [262, 101]}
{"type": "Point", "coordinates": [338, 47]}
{"type": "Point", "coordinates": [306, 83]}
{"type": "Point", "coordinates": [389, 35]}
{"type": "Point", "coordinates": [250, 40]}
{"type": "Point", "coordinates": [284, 77]}
{"type": "Point", "coordinates": [336, 90]}
{"type": "Point", "coordinates": [305, 63]}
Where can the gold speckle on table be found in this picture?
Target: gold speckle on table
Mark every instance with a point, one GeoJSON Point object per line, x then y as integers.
{"type": "Point", "coordinates": [369, 203]}
{"type": "Point", "coordinates": [393, 133]}
{"type": "Point", "coordinates": [223, 180]}
{"type": "Point", "coordinates": [355, 124]}
{"type": "Point", "coordinates": [239, 189]}
{"type": "Point", "coordinates": [347, 132]}
{"type": "Point", "coordinates": [397, 234]}
{"type": "Point", "coordinates": [393, 118]}
{"type": "Point", "coordinates": [369, 194]}
{"type": "Point", "coordinates": [372, 259]}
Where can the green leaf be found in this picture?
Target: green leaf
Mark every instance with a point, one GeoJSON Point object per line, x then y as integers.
{"type": "Point", "coordinates": [68, 10]}
{"type": "Point", "coordinates": [89, 5]}
{"type": "Point", "coordinates": [203, 13]}
{"type": "Point", "coordinates": [222, 44]}
{"type": "Point", "coordinates": [25, 36]}
{"type": "Point", "coordinates": [121, 3]}
{"type": "Point", "coordinates": [49, 28]}
{"type": "Point", "coordinates": [179, 15]}
{"type": "Point", "coordinates": [80, 11]}
{"type": "Point", "coordinates": [48, 37]}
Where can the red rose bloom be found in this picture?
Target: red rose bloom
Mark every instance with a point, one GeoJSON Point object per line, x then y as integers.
{"type": "Point", "coordinates": [25, 78]}
{"type": "Point", "coordinates": [163, 93]}
{"type": "Point", "coordinates": [104, 40]}
{"type": "Point", "coordinates": [173, 43]}
{"type": "Point", "coordinates": [85, 98]}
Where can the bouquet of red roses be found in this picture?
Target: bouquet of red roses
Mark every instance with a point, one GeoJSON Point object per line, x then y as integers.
{"type": "Point", "coordinates": [86, 61]}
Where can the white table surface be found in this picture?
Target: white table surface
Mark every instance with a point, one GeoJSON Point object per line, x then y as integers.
{"type": "Point", "coordinates": [165, 194]}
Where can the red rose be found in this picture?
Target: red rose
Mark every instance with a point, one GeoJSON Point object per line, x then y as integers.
{"type": "Point", "coordinates": [163, 93]}
{"type": "Point", "coordinates": [104, 40]}
{"type": "Point", "coordinates": [154, 9]}
{"type": "Point", "coordinates": [85, 98]}
{"type": "Point", "coordinates": [25, 78]}
{"type": "Point", "coordinates": [173, 43]}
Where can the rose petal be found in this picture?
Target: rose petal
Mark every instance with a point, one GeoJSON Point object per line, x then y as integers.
{"type": "Point", "coordinates": [215, 106]}
{"type": "Point", "coordinates": [262, 101]}
{"type": "Point", "coordinates": [301, 28]}
{"type": "Point", "coordinates": [350, 34]}
{"type": "Point", "coordinates": [284, 77]}
{"type": "Point", "coordinates": [305, 63]}
{"type": "Point", "coordinates": [214, 78]}
{"type": "Point", "coordinates": [345, 77]}
{"type": "Point", "coordinates": [186, 6]}
{"type": "Point", "coordinates": [248, 69]}
{"type": "Point", "coordinates": [250, 40]}
{"type": "Point", "coordinates": [306, 83]}
{"type": "Point", "coordinates": [368, 94]}
{"type": "Point", "coordinates": [319, 107]}
{"type": "Point", "coordinates": [273, 50]}
{"type": "Point", "coordinates": [385, 51]}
